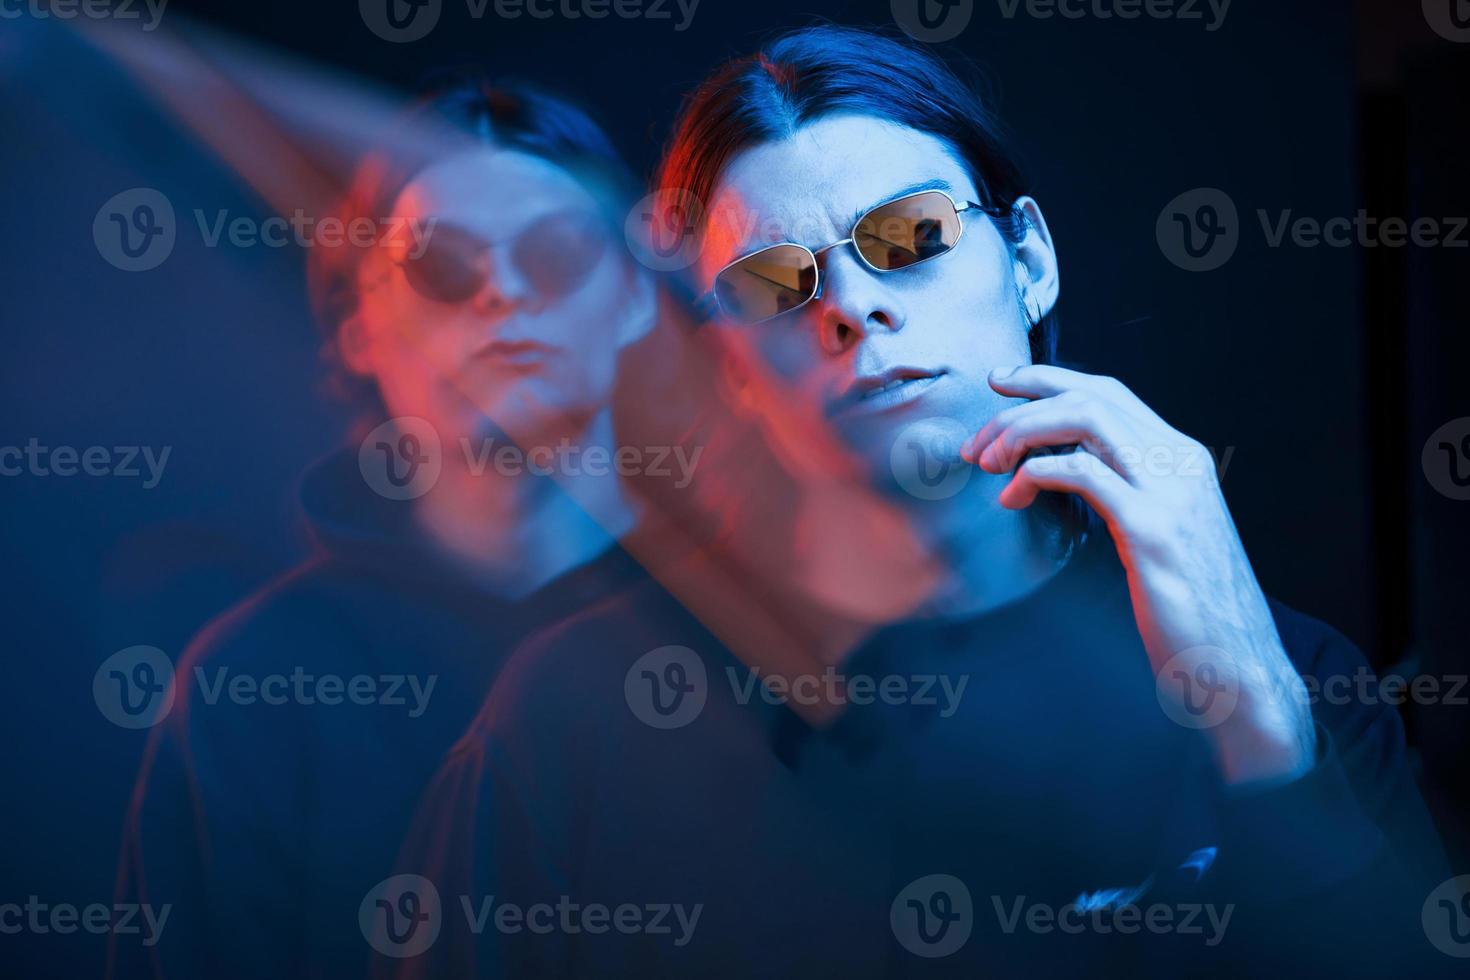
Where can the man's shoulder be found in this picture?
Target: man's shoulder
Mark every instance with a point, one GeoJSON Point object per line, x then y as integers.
{"type": "Point", "coordinates": [296, 608]}
{"type": "Point", "coordinates": [576, 666]}
{"type": "Point", "coordinates": [1314, 647]}
{"type": "Point", "coordinates": [1346, 696]}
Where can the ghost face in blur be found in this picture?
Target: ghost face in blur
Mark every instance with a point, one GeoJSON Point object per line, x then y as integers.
{"type": "Point", "coordinates": [506, 316]}
{"type": "Point", "coordinates": [879, 352]}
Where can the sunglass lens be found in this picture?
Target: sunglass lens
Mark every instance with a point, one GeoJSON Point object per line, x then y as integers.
{"type": "Point", "coordinates": [907, 231]}
{"type": "Point", "coordinates": [767, 283]}
{"type": "Point", "coordinates": [558, 253]}
{"type": "Point", "coordinates": [452, 267]}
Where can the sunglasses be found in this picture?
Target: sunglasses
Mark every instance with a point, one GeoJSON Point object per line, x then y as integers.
{"type": "Point", "coordinates": [894, 235]}
{"type": "Point", "coordinates": [553, 257]}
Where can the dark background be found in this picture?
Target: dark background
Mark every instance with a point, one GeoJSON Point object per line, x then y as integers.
{"type": "Point", "coordinates": [1325, 369]}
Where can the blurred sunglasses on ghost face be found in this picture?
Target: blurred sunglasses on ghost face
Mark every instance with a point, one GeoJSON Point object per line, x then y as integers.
{"type": "Point", "coordinates": [553, 257]}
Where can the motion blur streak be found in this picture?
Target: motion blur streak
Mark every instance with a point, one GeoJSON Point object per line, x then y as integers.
{"type": "Point", "coordinates": [773, 546]}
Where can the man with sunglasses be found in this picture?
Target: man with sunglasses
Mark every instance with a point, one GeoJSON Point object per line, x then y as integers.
{"type": "Point", "coordinates": [1135, 753]}
{"type": "Point", "coordinates": [266, 818]}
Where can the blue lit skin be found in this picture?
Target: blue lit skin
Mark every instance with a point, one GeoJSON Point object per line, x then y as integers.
{"type": "Point", "coordinates": [1198, 606]}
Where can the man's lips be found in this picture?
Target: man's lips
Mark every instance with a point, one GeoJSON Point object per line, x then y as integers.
{"type": "Point", "coordinates": [888, 389]}
{"type": "Point", "coordinates": [514, 351]}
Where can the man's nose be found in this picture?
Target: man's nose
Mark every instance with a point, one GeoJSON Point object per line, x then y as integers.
{"type": "Point", "coordinates": [502, 291]}
{"type": "Point", "coordinates": [855, 302]}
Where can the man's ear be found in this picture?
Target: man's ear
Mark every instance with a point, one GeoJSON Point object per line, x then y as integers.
{"type": "Point", "coordinates": [640, 310]}
{"type": "Point", "coordinates": [1037, 275]}
{"type": "Point", "coordinates": [354, 345]}
{"type": "Point", "coordinates": [737, 381]}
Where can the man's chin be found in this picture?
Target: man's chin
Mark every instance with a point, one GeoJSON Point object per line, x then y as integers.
{"type": "Point", "coordinates": [918, 459]}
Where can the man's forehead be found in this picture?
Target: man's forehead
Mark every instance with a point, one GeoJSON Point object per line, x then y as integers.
{"type": "Point", "coordinates": [811, 186]}
{"type": "Point", "coordinates": [493, 181]}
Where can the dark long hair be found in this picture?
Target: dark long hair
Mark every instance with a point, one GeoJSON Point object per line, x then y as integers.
{"type": "Point", "coordinates": [814, 72]}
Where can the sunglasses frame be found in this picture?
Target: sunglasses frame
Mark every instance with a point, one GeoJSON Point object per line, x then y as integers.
{"type": "Point", "coordinates": [711, 300]}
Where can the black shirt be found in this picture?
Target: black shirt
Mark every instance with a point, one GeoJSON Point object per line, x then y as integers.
{"type": "Point", "coordinates": [263, 824]}
{"type": "Point", "coordinates": [998, 829]}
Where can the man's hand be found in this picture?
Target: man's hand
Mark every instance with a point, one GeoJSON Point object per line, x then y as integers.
{"type": "Point", "coordinates": [1198, 606]}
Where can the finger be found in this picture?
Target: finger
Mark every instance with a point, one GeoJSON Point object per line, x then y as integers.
{"type": "Point", "coordinates": [1081, 473]}
{"type": "Point", "coordinates": [1096, 426]}
{"type": "Point", "coordinates": [970, 451]}
{"type": "Point", "coordinates": [1048, 380]}
{"type": "Point", "coordinates": [1063, 407]}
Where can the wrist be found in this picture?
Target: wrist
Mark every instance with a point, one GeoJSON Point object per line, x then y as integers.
{"type": "Point", "coordinates": [1265, 743]}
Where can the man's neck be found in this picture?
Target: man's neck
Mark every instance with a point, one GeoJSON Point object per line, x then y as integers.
{"type": "Point", "coordinates": [993, 556]}
{"type": "Point", "coordinates": [516, 532]}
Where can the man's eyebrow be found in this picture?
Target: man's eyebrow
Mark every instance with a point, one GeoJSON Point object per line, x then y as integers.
{"type": "Point", "coordinates": [750, 246]}
{"type": "Point", "coordinates": [932, 184]}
